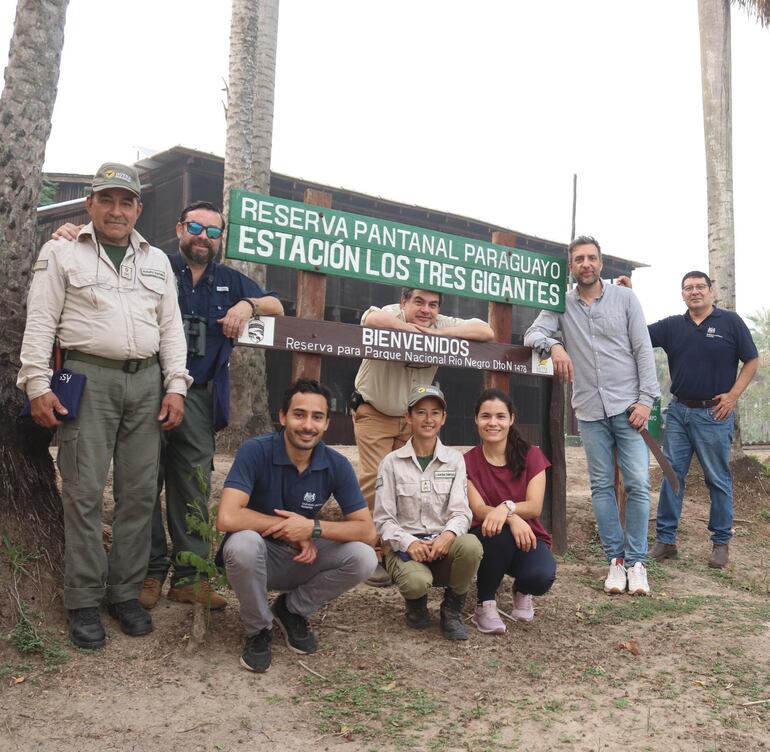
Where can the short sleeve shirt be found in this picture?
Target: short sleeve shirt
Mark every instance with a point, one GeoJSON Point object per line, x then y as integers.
{"type": "Point", "coordinates": [703, 358]}
{"type": "Point", "coordinates": [496, 484]}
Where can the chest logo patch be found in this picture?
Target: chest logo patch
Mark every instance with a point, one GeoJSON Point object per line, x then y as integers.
{"type": "Point", "coordinates": [157, 273]}
{"type": "Point", "coordinates": [712, 332]}
{"type": "Point", "coordinates": [308, 500]}
{"type": "Point", "coordinates": [424, 486]}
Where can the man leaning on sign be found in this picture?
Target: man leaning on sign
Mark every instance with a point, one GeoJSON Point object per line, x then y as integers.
{"type": "Point", "coordinates": [382, 387]}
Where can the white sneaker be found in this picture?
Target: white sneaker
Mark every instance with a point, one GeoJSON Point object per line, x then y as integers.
{"type": "Point", "coordinates": [523, 610]}
{"type": "Point", "coordinates": [616, 578]}
{"type": "Point", "coordinates": [637, 580]}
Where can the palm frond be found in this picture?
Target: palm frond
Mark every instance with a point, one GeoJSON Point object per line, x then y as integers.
{"type": "Point", "coordinates": [759, 9]}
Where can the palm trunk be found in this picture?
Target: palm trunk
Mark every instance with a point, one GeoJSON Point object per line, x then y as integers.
{"type": "Point", "coordinates": [253, 41]}
{"type": "Point", "coordinates": [29, 502]}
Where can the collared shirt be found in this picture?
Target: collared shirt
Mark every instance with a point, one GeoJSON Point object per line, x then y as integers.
{"type": "Point", "coordinates": [410, 501]}
{"type": "Point", "coordinates": [609, 347]}
{"type": "Point", "coordinates": [219, 289]}
{"type": "Point", "coordinates": [385, 384]}
{"type": "Point", "coordinates": [703, 358]}
{"type": "Point", "coordinates": [78, 295]}
{"type": "Point", "coordinates": [263, 470]}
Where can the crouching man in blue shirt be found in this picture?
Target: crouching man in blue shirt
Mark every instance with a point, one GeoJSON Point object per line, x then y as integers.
{"type": "Point", "coordinates": [274, 541]}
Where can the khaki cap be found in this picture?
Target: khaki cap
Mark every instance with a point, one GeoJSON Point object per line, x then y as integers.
{"type": "Point", "coordinates": [115, 175]}
{"type": "Point", "coordinates": [426, 390]}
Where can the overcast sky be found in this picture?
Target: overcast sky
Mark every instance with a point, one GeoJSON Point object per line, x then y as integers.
{"type": "Point", "coordinates": [484, 109]}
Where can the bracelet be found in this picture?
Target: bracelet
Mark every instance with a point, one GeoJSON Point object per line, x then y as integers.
{"type": "Point", "coordinates": [253, 305]}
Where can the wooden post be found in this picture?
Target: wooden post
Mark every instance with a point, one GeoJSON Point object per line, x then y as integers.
{"type": "Point", "coordinates": [501, 320]}
{"type": "Point", "coordinates": [558, 468]}
{"type": "Point", "coordinates": [311, 300]}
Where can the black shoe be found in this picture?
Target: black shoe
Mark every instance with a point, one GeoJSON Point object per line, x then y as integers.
{"type": "Point", "coordinates": [417, 616]}
{"type": "Point", "coordinates": [452, 624]}
{"type": "Point", "coordinates": [257, 651]}
{"type": "Point", "coordinates": [296, 630]}
{"type": "Point", "coordinates": [86, 630]}
{"type": "Point", "coordinates": [134, 620]}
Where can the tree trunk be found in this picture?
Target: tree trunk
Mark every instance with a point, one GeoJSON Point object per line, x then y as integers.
{"type": "Point", "coordinates": [29, 502]}
{"type": "Point", "coordinates": [253, 43]}
{"type": "Point", "coordinates": [716, 82]}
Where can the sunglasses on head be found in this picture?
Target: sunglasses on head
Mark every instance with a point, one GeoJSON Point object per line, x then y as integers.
{"type": "Point", "coordinates": [196, 228]}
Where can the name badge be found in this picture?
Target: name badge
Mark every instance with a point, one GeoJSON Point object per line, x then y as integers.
{"type": "Point", "coordinates": [444, 475]}
{"type": "Point", "coordinates": [126, 271]}
{"type": "Point", "coordinates": [424, 486]}
{"type": "Point", "coordinates": [221, 288]}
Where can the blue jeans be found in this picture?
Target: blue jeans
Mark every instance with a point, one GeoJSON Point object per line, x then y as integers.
{"type": "Point", "coordinates": [600, 438]}
{"type": "Point", "coordinates": [695, 430]}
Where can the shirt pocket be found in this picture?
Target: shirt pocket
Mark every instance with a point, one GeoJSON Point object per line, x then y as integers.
{"type": "Point", "coordinates": [611, 323]}
{"type": "Point", "coordinates": [151, 289]}
{"type": "Point", "coordinates": [93, 299]}
{"type": "Point", "coordinates": [408, 503]}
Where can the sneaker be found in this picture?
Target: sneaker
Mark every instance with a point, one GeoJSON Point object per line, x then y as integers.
{"type": "Point", "coordinates": [637, 580]}
{"type": "Point", "coordinates": [720, 554]}
{"type": "Point", "coordinates": [151, 588]}
{"type": "Point", "coordinates": [296, 629]}
{"type": "Point", "coordinates": [486, 618]}
{"type": "Point", "coordinates": [197, 592]}
{"type": "Point", "coordinates": [662, 551]}
{"type": "Point", "coordinates": [134, 620]}
{"type": "Point", "coordinates": [86, 630]}
{"type": "Point", "coordinates": [257, 651]}
{"type": "Point", "coordinates": [380, 578]}
{"type": "Point", "coordinates": [523, 610]}
{"type": "Point", "coordinates": [616, 578]}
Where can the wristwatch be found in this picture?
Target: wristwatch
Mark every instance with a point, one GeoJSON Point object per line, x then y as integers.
{"type": "Point", "coordinates": [511, 507]}
{"type": "Point", "coordinates": [316, 529]}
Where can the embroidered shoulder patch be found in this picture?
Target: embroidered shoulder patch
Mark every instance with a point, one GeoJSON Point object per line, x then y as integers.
{"type": "Point", "coordinates": [378, 482]}
{"type": "Point", "coordinates": [40, 266]}
{"type": "Point", "coordinates": [157, 273]}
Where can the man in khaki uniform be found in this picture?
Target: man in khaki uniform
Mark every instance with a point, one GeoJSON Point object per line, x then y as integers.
{"type": "Point", "coordinates": [110, 299]}
{"type": "Point", "coordinates": [382, 387]}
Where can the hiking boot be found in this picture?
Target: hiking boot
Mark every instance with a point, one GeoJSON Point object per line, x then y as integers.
{"type": "Point", "coordinates": [486, 618]}
{"type": "Point", "coordinates": [197, 592]}
{"type": "Point", "coordinates": [86, 630]}
{"type": "Point", "coordinates": [523, 610]}
{"type": "Point", "coordinates": [380, 578]}
{"type": "Point", "coordinates": [296, 629]}
{"type": "Point", "coordinates": [417, 616]}
{"type": "Point", "coordinates": [662, 551]}
{"type": "Point", "coordinates": [616, 578]}
{"type": "Point", "coordinates": [151, 588]}
{"type": "Point", "coordinates": [452, 616]}
{"type": "Point", "coordinates": [719, 556]}
{"type": "Point", "coordinates": [134, 620]}
{"type": "Point", "coordinates": [637, 580]}
{"type": "Point", "coordinates": [257, 651]}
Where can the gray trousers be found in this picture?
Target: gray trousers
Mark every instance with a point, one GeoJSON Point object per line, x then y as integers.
{"type": "Point", "coordinates": [187, 455]}
{"type": "Point", "coordinates": [256, 565]}
{"type": "Point", "coordinates": [118, 421]}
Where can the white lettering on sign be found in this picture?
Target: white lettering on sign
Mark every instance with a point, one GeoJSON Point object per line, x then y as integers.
{"type": "Point", "coordinates": [305, 346]}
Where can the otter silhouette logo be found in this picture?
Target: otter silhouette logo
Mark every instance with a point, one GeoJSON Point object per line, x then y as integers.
{"type": "Point", "coordinates": [259, 331]}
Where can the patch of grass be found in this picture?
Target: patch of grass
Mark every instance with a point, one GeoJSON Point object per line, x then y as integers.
{"type": "Point", "coordinates": [619, 610]}
{"type": "Point", "coordinates": [593, 671]}
{"type": "Point", "coordinates": [30, 637]}
{"type": "Point", "coordinates": [764, 514]}
{"type": "Point", "coordinates": [534, 669]}
{"type": "Point", "coordinates": [621, 703]}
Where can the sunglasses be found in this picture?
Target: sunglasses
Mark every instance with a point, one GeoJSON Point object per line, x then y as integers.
{"type": "Point", "coordinates": [196, 228]}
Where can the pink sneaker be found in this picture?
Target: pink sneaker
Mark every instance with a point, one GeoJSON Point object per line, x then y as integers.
{"type": "Point", "coordinates": [487, 620]}
{"type": "Point", "coordinates": [523, 610]}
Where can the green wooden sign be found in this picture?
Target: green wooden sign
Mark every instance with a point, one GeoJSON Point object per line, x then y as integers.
{"type": "Point", "coordinates": [269, 230]}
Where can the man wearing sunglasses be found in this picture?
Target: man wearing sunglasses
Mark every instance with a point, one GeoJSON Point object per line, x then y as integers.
{"type": "Point", "coordinates": [216, 302]}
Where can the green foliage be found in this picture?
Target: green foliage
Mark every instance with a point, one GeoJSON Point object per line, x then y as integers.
{"type": "Point", "coordinates": [48, 192]}
{"type": "Point", "coordinates": [30, 637]}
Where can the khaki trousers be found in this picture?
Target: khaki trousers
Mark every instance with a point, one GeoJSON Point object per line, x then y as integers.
{"type": "Point", "coordinates": [376, 435]}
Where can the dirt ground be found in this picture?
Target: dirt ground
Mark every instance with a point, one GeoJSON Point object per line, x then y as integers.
{"type": "Point", "coordinates": [686, 669]}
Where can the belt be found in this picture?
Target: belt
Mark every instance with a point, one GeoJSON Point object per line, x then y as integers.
{"type": "Point", "coordinates": [127, 366]}
{"type": "Point", "coordinates": [698, 403]}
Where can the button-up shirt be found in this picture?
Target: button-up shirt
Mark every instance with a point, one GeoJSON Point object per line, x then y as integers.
{"type": "Point", "coordinates": [609, 347]}
{"type": "Point", "coordinates": [128, 313]}
{"type": "Point", "coordinates": [410, 501]}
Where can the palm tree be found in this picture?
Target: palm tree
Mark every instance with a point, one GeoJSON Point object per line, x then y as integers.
{"type": "Point", "coordinates": [29, 502]}
{"type": "Point", "coordinates": [716, 81]}
{"type": "Point", "coordinates": [250, 94]}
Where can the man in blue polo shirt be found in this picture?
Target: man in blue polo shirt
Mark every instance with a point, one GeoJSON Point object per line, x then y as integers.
{"type": "Point", "coordinates": [275, 488]}
{"type": "Point", "coordinates": [703, 346]}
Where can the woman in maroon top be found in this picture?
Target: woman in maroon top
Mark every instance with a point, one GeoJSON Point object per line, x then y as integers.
{"type": "Point", "coordinates": [506, 486]}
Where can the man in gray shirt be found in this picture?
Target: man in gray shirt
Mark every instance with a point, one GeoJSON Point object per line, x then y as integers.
{"type": "Point", "coordinates": [611, 360]}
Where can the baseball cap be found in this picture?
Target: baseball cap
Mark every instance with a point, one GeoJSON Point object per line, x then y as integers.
{"type": "Point", "coordinates": [426, 390]}
{"type": "Point", "coordinates": [115, 175]}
